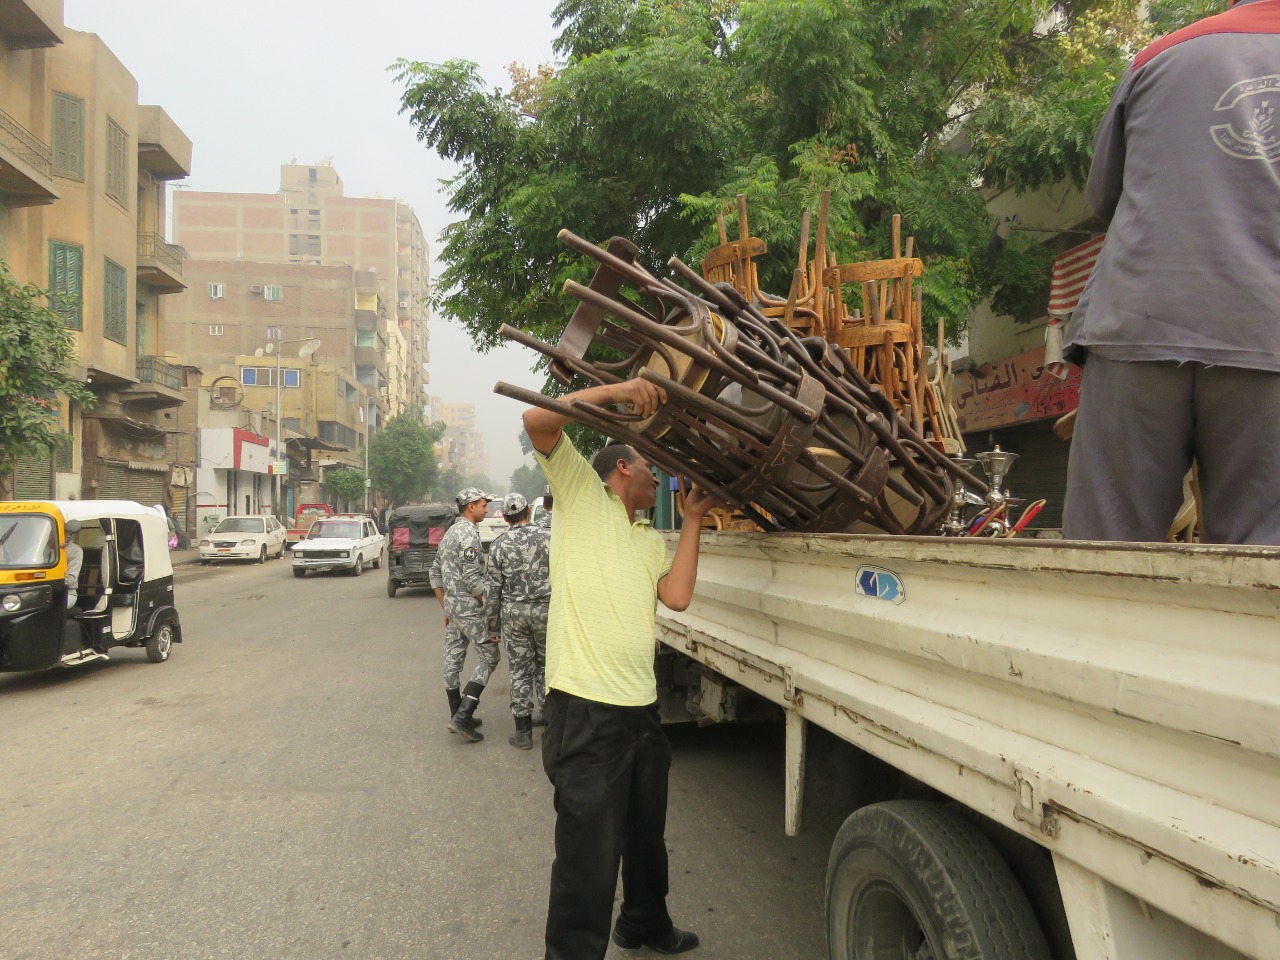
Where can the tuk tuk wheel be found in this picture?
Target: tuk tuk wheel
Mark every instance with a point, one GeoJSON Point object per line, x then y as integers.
{"type": "Point", "coordinates": [299, 572]}
{"type": "Point", "coordinates": [392, 587]}
{"type": "Point", "coordinates": [160, 643]}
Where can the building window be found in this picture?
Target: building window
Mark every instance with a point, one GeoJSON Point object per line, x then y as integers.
{"type": "Point", "coordinates": [68, 136]}
{"type": "Point", "coordinates": [304, 245]}
{"type": "Point", "coordinates": [273, 333]}
{"type": "Point", "coordinates": [271, 292]}
{"type": "Point", "coordinates": [115, 299]}
{"type": "Point", "coordinates": [66, 278]}
{"type": "Point", "coordinates": [117, 163]}
{"type": "Point", "coordinates": [216, 330]}
{"type": "Point", "coordinates": [266, 377]}
{"type": "Point", "coordinates": [217, 291]}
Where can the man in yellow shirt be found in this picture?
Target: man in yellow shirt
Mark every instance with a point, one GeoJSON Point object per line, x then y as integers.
{"type": "Point", "coordinates": [604, 749]}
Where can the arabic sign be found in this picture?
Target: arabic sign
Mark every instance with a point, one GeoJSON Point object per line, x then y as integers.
{"type": "Point", "coordinates": [1016, 390]}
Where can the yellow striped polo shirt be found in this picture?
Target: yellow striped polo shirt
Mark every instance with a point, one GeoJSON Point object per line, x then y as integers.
{"type": "Point", "coordinates": [604, 587]}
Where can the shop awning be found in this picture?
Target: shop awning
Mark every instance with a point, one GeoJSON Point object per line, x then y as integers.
{"type": "Point", "coordinates": [1070, 273]}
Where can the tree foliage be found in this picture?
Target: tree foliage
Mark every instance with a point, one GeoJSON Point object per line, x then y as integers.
{"type": "Point", "coordinates": [660, 112]}
{"type": "Point", "coordinates": [37, 354]}
{"type": "Point", "coordinates": [528, 480]}
{"type": "Point", "coordinates": [347, 484]}
{"type": "Point", "coordinates": [402, 458]}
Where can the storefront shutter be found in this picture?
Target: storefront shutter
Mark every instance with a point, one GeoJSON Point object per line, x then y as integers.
{"type": "Point", "coordinates": [31, 478]}
{"type": "Point", "coordinates": [120, 483]}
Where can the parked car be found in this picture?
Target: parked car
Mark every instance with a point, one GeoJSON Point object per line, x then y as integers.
{"type": "Point", "coordinates": [243, 538]}
{"type": "Point", "coordinates": [492, 526]}
{"type": "Point", "coordinates": [339, 543]}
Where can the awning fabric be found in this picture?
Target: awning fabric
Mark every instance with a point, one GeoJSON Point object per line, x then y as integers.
{"type": "Point", "coordinates": [1070, 271]}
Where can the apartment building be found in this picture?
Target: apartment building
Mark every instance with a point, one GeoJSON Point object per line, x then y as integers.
{"type": "Point", "coordinates": [462, 446]}
{"type": "Point", "coordinates": [302, 339]}
{"type": "Point", "coordinates": [311, 221]}
{"type": "Point", "coordinates": [84, 170]}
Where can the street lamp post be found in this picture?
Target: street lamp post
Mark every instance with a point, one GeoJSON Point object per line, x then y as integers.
{"type": "Point", "coordinates": [309, 346]}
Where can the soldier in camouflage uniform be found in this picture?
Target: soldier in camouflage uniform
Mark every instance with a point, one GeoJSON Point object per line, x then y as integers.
{"type": "Point", "coordinates": [516, 605]}
{"type": "Point", "coordinates": [457, 576]}
{"type": "Point", "coordinates": [548, 504]}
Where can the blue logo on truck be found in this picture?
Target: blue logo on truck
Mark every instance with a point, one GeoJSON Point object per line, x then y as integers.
{"type": "Point", "coordinates": [881, 584]}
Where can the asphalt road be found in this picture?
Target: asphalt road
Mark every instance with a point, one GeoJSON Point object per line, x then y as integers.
{"type": "Point", "coordinates": [284, 787]}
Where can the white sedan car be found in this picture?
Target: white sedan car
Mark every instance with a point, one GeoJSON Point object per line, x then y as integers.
{"type": "Point", "coordinates": [243, 538]}
{"type": "Point", "coordinates": [339, 543]}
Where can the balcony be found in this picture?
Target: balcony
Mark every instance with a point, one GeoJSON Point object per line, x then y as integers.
{"type": "Point", "coordinates": [26, 164]}
{"type": "Point", "coordinates": [31, 24]}
{"type": "Point", "coordinates": [164, 151]}
{"type": "Point", "coordinates": [160, 264]}
{"type": "Point", "coordinates": [371, 357]}
{"type": "Point", "coordinates": [366, 320]}
{"type": "Point", "coordinates": [159, 384]}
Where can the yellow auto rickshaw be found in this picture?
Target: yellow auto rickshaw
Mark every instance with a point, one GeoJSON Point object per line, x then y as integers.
{"type": "Point", "coordinates": [80, 577]}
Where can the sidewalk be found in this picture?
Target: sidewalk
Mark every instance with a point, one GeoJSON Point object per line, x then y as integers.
{"type": "Point", "coordinates": [182, 557]}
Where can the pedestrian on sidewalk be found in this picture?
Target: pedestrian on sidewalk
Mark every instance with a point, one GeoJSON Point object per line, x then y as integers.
{"type": "Point", "coordinates": [604, 749]}
{"type": "Point", "coordinates": [516, 604]}
{"type": "Point", "coordinates": [457, 577]}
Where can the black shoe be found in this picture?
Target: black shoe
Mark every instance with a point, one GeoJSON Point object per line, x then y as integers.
{"type": "Point", "coordinates": [674, 940]}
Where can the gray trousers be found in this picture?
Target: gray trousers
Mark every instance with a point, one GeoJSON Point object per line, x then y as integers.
{"type": "Point", "coordinates": [1138, 428]}
{"type": "Point", "coordinates": [460, 634]}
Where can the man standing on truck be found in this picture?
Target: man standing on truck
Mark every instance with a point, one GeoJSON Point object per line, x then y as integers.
{"type": "Point", "coordinates": [457, 577]}
{"type": "Point", "coordinates": [1178, 322]}
{"type": "Point", "coordinates": [604, 749]}
{"type": "Point", "coordinates": [516, 606]}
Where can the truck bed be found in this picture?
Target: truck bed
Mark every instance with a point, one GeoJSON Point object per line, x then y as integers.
{"type": "Point", "coordinates": [1118, 704]}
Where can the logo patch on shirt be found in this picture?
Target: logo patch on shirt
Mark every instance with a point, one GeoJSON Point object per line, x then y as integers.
{"type": "Point", "coordinates": [1253, 104]}
{"type": "Point", "coordinates": [470, 555]}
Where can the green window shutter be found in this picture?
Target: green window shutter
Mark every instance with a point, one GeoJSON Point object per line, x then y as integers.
{"type": "Point", "coordinates": [115, 289]}
{"type": "Point", "coordinates": [117, 163]}
{"type": "Point", "coordinates": [66, 273]}
{"type": "Point", "coordinates": [68, 136]}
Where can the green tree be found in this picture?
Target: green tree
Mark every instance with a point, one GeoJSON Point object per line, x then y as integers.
{"type": "Point", "coordinates": [663, 111]}
{"type": "Point", "coordinates": [449, 483]}
{"type": "Point", "coordinates": [402, 458]}
{"type": "Point", "coordinates": [37, 354]}
{"type": "Point", "coordinates": [528, 480]}
{"type": "Point", "coordinates": [347, 484]}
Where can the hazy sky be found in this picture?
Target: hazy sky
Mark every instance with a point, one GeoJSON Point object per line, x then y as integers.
{"type": "Point", "coordinates": [256, 84]}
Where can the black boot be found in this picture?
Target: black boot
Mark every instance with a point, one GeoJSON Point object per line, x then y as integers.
{"type": "Point", "coordinates": [537, 719]}
{"type": "Point", "coordinates": [455, 701]}
{"type": "Point", "coordinates": [461, 723]}
{"type": "Point", "coordinates": [523, 737]}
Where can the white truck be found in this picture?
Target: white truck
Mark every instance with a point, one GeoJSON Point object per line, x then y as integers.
{"type": "Point", "coordinates": [1056, 749]}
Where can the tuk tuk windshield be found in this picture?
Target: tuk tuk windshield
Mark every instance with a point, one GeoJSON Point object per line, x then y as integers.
{"type": "Point", "coordinates": [28, 541]}
{"type": "Point", "coordinates": [241, 525]}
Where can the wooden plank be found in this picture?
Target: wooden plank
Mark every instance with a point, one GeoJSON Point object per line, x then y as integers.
{"type": "Point", "coordinates": [874, 270]}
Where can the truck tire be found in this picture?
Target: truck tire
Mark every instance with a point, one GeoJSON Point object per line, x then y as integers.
{"type": "Point", "coordinates": [915, 880]}
{"type": "Point", "coordinates": [392, 587]}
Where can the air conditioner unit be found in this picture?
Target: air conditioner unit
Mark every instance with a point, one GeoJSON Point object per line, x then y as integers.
{"type": "Point", "coordinates": [255, 288]}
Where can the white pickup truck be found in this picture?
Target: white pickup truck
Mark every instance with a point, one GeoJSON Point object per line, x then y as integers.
{"type": "Point", "coordinates": [1056, 749]}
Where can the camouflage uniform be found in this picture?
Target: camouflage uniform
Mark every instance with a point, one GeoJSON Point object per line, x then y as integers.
{"type": "Point", "coordinates": [516, 606]}
{"type": "Point", "coordinates": [459, 568]}
{"type": "Point", "coordinates": [544, 521]}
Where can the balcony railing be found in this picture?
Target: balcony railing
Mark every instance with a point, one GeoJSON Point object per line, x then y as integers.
{"type": "Point", "coordinates": [14, 136]}
{"type": "Point", "coordinates": [155, 370]}
{"type": "Point", "coordinates": [151, 246]}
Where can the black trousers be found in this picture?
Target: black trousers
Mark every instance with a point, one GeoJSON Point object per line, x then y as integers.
{"type": "Point", "coordinates": [609, 768]}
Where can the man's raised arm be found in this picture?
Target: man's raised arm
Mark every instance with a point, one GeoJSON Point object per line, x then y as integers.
{"type": "Point", "coordinates": [544, 426]}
